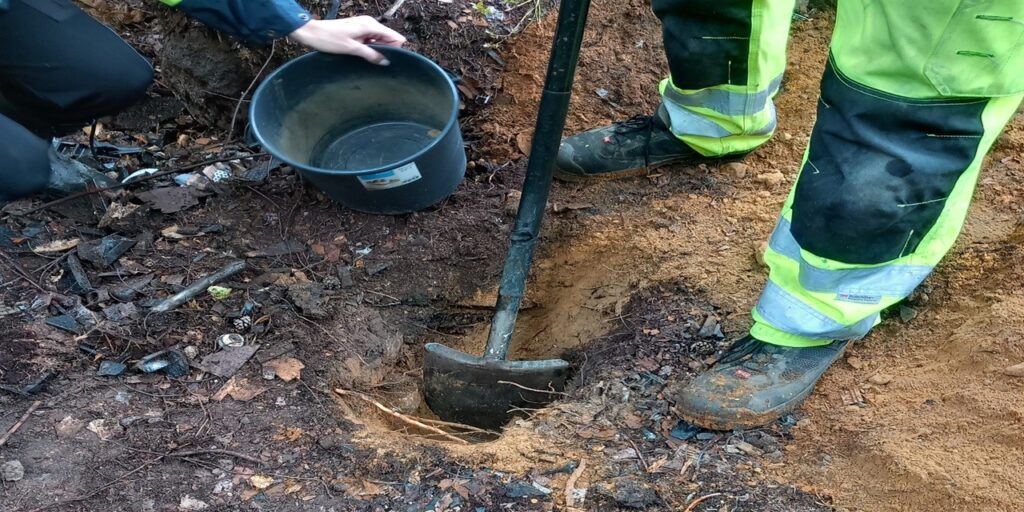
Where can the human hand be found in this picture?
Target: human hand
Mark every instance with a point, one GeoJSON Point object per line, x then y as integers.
{"type": "Point", "coordinates": [348, 36]}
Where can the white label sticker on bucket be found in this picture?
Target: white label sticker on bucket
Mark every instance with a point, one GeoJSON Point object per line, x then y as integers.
{"type": "Point", "coordinates": [390, 179]}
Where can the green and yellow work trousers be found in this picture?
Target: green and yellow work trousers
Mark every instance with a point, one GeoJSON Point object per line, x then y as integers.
{"type": "Point", "coordinates": [913, 96]}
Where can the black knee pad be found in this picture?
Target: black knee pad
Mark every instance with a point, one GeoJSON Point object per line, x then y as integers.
{"type": "Point", "coordinates": [879, 170]}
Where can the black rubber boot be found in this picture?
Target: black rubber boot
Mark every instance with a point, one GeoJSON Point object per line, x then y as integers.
{"type": "Point", "coordinates": [68, 176]}
{"type": "Point", "coordinates": [754, 384]}
{"type": "Point", "coordinates": [627, 148]}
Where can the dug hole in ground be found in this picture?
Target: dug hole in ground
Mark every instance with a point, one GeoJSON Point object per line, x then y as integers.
{"type": "Point", "coordinates": [639, 283]}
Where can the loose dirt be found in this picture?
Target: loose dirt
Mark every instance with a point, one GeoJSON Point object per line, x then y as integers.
{"type": "Point", "coordinates": [629, 272]}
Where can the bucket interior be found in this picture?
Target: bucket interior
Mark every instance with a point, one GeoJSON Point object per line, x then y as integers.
{"type": "Point", "coordinates": [332, 112]}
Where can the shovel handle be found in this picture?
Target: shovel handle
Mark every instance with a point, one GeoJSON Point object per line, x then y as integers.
{"type": "Point", "coordinates": [547, 136]}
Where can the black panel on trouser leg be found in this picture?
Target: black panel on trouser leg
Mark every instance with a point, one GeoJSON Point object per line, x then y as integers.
{"type": "Point", "coordinates": [707, 42]}
{"type": "Point", "coordinates": [60, 68]}
{"type": "Point", "coordinates": [879, 170]}
{"type": "Point", "coordinates": [24, 161]}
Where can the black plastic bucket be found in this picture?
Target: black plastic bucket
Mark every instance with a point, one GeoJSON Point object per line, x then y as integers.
{"type": "Point", "coordinates": [378, 139]}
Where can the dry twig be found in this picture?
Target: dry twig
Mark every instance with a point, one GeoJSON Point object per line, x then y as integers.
{"type": "Point", "coordinates": [459, 426]}
{"type": "Point", "coordinates": [693, 505]}
{"type": "Point", "coordinates": [243, 456]}
{"type": "Point", "coordinates": [570, 484]}
{"type": "Point", "coordinates": [35, 405]}
{"type": "Point", "coordinates": [640, 456]}
{"type": "Point", "coordinates": [399, 416]}
{"type": "Point", "coordinates": [238, 106]}
{"type": "Point", "coordinates": [520, 386]}
{"type": "Point", "coordinates": [390, 13]}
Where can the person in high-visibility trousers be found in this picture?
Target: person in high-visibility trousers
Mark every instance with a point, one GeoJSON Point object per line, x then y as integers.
{"type": "Point", "coordinates": [913, 96]}
{"type": "Point", "coordinates": [60, 68]}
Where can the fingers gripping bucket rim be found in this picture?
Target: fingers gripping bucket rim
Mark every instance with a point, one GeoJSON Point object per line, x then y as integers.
{"type": "Point", "coordinates": [378, 139]}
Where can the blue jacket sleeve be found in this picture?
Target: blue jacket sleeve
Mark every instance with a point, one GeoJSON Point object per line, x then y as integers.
{"type": "Point", "coordinates": [254, 21]}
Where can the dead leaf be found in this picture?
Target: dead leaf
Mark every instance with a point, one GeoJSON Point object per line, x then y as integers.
{"type": "Point", "coordinates": [261, 481]}
{"type": "Point", "coordinates": [172, 199]}
{"type": "Point", "coordinates": [634, 421]}
{"type": "Point", "coordinates": [239, 389]}
{"type": "Point", "coordinates": [279, 249]}
{"type": "Point", "coordinates": [371, 489]}
{"type": "Point", "coordinates": [290, 434]}
{"type": "Point", "coordinates": [523, 141]}
{"type": "Point", "coordinates": [56, 246]}
{"type": "Point", "coordinates": [286, 368]}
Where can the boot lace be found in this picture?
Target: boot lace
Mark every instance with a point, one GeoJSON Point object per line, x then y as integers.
{"type": "Point", "coordinates": [637, 123]}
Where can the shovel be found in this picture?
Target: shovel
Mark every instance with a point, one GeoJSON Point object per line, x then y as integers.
{"type": "Point", "coordinates": [485, 391]}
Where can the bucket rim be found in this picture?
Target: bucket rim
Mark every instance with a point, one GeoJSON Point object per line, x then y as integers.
{"type": "Point", "coordinates": [451, 124]}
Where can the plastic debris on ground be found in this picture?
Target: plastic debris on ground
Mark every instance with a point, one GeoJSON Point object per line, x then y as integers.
{"type": "Point", "coordinates": [172, 362]}
{"type": "Point", "coordinates": [228, 361]}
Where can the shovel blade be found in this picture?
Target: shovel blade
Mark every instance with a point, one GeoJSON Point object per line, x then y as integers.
{"type": "Point", "coordinates": [475, 391]}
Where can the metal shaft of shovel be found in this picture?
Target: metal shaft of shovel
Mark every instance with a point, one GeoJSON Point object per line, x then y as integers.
{"type": "Point", "coordinates": [475, 390]}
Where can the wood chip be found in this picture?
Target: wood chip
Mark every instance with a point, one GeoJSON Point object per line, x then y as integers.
{"type": "Point", "coordinates": [852, 396]}
{"type": "Point", "coordinates": [56, 246]}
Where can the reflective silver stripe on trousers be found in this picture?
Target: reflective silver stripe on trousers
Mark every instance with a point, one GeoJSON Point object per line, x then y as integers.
{"type": "Point", "coordinates": [789, 314]}
{"type": "Point", "coordinates": [727, 102]}
{"type": "Point", "coordinates": [686, 122]}
{"type": "Point", "coordinates": [889, 280]}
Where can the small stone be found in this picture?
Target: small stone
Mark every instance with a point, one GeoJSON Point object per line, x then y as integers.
{"type": "Point", "coordinates": [331, 442]}
{"type": "Point", "coordinates": [1016, 370]}
{"type": "Point", "coordinates": [907, 313]}
{"type": "Point", "coordinates": [880, 379]}
{"type": "Point", "coordinates": [105, 429]}
{"type": "Point", "coordinates": [261, 481]}
{"type": "Point", "coordinates": [12, 471]}
{"type": "Point", "coordinates": [68, 427]}
{"type": "Point", "coordinates": [711, 328]}
{"type": "Point", "coordinates": [736, 170]}
{"type": "Point", "coordinates": [705, 436]}
{"type": "Point", "coordinates": [191, 351]}
{"type": "Point", "coordinates": [222, 486]}
{"type": "Point", "coordinates": [855, 362]}
{"type": "Point", "coordinates": [123, 397]}
{"type": "Point", "coordinates": [748, 448]}
{"type": "Point", "coordinates": [119, 312]}
{"type": "Point", "coordinates": [771, 179]}
{"type": "Point", "coordinates": [512, 202]}
{"type": "Point", "coordinates": [759, 249]}
{"type": "Point", "coordinates": [635, 494]}
{"type": "Point", "coordinates": [775, 456]}
{"type": "Point", "coordinates": [684, 430]}
{"type": "Point", "coordinates": [190, 503]}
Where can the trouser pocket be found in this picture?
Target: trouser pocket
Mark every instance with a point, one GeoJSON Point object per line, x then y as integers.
{"type": "Point", "coordinates": [981, 51]}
